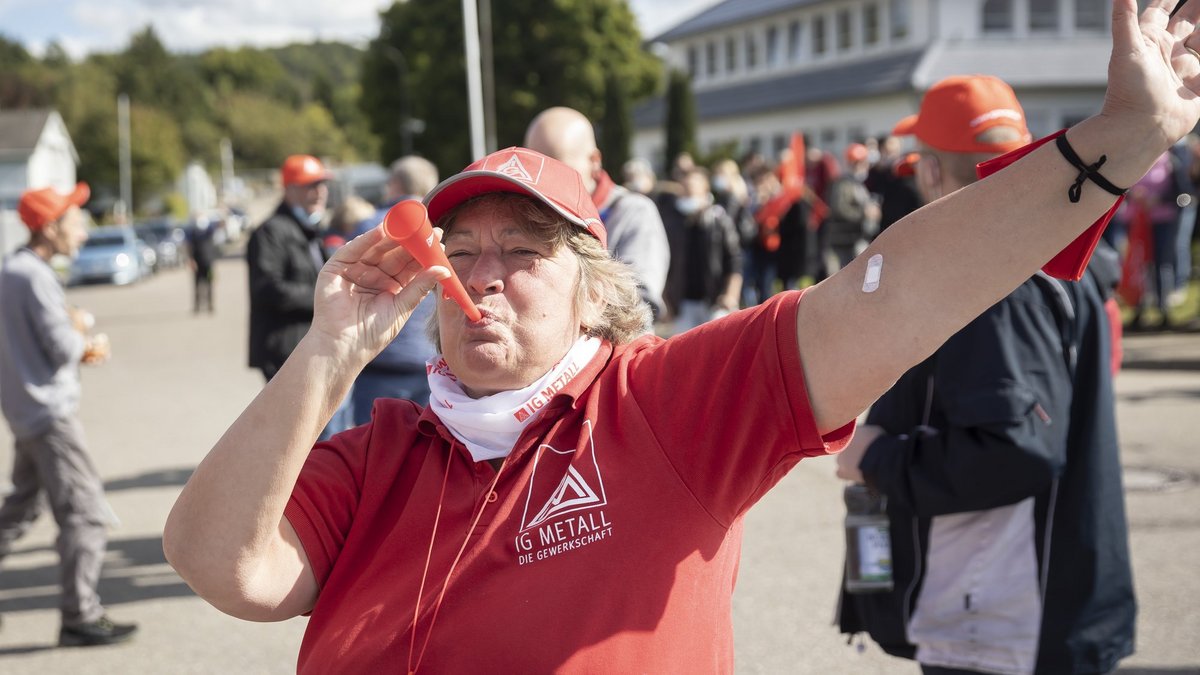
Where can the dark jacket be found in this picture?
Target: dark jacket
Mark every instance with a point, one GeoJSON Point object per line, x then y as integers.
{"type": "Point", "coordinates": [282, 257]}
{"type": "Point", "coordinates": [1001, 469]}
{"type": "Point", "coordinates": [704, 254]}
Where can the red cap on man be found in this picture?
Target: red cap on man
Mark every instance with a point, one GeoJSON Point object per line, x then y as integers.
{"type": "Point", "coordinates": [526, 172]}
{"type": "Point", "coordinates": [304, 170]}
{"type": "Point", "coordinates": [38, 208]}
{"type": "Point", "coordinates": [956, 110]}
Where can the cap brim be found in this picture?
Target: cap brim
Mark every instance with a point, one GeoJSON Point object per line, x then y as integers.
{"type": "Point", "coordinates": [461, 187]}
{"type": "Point", "coordinates": [906, 126]}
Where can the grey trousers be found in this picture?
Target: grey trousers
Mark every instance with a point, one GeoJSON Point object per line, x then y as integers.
{"type": "Point", "coordinates": [58, 464]}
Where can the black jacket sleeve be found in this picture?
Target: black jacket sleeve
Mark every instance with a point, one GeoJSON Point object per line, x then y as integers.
{"type": "Point", "coordinates": [270, 256]}
{"type": "Point", "coordinates": [1001, 394]}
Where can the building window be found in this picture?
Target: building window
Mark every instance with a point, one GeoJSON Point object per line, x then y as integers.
{"type": "Point", "coordinates": [693, 62]}
{"type": "Point", "coordinates": [1091, 15]}
{"type": "Point", "coordinates": [751, 51]}
{"type": "Point", "coordinates": [871, 24]}
{"type": "Point", "coordinates": [772, 46]}
{"type": "Point", "coordinates": [998, 16]}
{"type": "Point", "coordinates": [829, 138]}
{"type": "Point", "coordinates": [710, 59]}
{"type": "Point", "coordinates": [845, 34]}
{"type": "Point", "coordinates": [1043, 15]}
{"type": "Point", "coordinates": [730, 55]}
{"type": "Point", "coordinates": [754, 144]}
{"type": "Point", "coordinates": [795, 36]}
{"type": "Point", "coordinates": [778, 143]}
{"type": "Point", "coordinates": [898, 12]}
{"type": "Point", "coordinates": [818, 25]}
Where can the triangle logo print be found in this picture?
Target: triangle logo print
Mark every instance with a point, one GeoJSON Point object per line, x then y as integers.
{"type": "Point", "coordinates": [514, 169]}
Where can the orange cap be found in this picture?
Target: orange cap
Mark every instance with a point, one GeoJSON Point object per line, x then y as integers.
{"type": "Point", "coordinates": [303, 170]}
{"type": "Point", "coordinates": [856, 152]}
{"type": "Point", "coordinates": [38, 208]}
{"type": "Point", "coordinates": [957, 109]}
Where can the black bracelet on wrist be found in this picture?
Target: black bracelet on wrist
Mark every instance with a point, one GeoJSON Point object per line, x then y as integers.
{"type": "Point", "coordinates": [1086, 172]}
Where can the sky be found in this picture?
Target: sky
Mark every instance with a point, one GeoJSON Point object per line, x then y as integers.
{"type": "Point", "coordinates": [84, 26]}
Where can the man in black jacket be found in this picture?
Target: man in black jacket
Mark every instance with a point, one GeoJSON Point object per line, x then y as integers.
{"type": "Point", "coordinates": [284, 256]}
{"type": "Point", "coordinates": [998, 458]}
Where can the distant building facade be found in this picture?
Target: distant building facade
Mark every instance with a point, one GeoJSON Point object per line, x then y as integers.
{"type": "Point", "coordinates": [844, 70]}
{"type": "Point", "coordinates": [35, 151]}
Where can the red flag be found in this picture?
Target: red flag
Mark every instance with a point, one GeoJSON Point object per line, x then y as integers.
{"type": "Point", "coordinates": [792, 178]}
{"type": "Point", "coordinates": [1137, 256]}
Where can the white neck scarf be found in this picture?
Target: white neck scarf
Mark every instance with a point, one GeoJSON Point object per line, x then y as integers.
{"type": "Point", "coordinates": [489, 426]}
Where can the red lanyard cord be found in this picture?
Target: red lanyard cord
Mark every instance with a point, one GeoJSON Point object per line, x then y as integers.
{"type": "Point", "coordinates": [437, 606]}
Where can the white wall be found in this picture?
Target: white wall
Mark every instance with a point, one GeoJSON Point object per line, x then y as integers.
{"type": "Point", "coordinates": [865, 117]}
{"type": "Point", "coordinates": [53, 162]}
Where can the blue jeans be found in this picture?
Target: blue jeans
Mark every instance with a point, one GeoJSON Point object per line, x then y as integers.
{"type": "Point", "coordinates": [373, 384]}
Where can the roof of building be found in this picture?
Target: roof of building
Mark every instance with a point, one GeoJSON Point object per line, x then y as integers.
{"type": "Point", "coordinates": [873, 77]}
{"type": "Point", "coordinates": [21, 129]}
{"type": "Point", "coordinates": [729, 13]}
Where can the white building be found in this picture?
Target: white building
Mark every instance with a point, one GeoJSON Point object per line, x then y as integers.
{"type": "Point", "coordinates": [35, 151]}
{"type": "Point", "coordinates": [843, 70]}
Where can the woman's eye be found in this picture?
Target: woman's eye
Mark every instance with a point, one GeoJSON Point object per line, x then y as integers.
{"type": "Point", "coordinates": [524, 251]}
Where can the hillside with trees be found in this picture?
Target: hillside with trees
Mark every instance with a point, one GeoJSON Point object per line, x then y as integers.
{"type": "Point", "coordinates": [406, 90]}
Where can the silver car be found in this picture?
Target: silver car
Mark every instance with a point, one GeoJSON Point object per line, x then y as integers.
{"type": "Point", "coordinates": [110, 255]}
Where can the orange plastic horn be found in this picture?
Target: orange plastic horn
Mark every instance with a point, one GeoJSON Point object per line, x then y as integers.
{"type": "Point", "coordinates": [407, 223]}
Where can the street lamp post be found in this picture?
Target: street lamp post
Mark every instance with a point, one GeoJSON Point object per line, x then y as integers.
{"type": "Point", "coordinates": [406, 123]}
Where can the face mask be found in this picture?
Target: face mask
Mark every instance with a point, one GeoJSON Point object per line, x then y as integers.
{"type": "Point", "coordinates": [687, 205]}
{"type": "Point", "coordinates": [720, 184]}
{"type": "Point", "coordinates": [311, 219]}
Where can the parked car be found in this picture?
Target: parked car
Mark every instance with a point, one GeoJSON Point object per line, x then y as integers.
{"type": "Point", "coordinates": [166, 238]}
{"type": "Point", "coordinates": [111, 255]}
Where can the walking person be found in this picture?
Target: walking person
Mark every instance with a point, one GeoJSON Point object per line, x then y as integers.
{"type": "Point", "coordinates": [42, 343]}
{"type": "Point", "coordinates": [202, 256]}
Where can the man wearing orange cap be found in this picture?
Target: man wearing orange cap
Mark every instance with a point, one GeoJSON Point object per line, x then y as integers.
{"type": "Point", "coordinates": [42, 343]}
{"type": "Point", "coordinates": [284, 256]}
{"type": "Point", "coordinates": [998, 456]}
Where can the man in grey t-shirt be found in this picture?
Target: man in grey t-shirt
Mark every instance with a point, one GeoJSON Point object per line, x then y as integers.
{"type": "Point", "coordinates": [635, 229]}
{"type": "Point", "coordinates": [42, 343]}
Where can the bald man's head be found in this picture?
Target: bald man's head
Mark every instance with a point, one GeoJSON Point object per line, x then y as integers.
{"type": "Point", "coordinates": [566, 135]}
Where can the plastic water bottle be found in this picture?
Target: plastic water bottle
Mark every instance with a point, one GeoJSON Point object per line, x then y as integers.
{"type": "Point", "coordinates": [868, 541]}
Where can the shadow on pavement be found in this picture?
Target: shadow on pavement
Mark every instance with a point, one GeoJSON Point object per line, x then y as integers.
{"type": "Point", "coordinates": [152, 479]}
{"type": "Point", "coordinates": [1186, 670]}
{"type": "Point", "coordinates": [134, 570]}
{"type": "Point", "coordinates": [1159, 394]}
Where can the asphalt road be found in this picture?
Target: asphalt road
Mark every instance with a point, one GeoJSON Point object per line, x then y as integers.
{"type": "Point", "coordinates": [176, 381]}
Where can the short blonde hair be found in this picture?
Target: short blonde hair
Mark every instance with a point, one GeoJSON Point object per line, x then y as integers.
{"type": "Point", "coordinates": [604, 282]}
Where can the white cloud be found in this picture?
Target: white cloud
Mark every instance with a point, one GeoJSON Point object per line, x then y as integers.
{"type": "Point", "coordinates": [189, 25]}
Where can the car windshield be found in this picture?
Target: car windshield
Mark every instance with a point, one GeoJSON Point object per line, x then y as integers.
{"type": "Point", "coordinates": [97, 240]}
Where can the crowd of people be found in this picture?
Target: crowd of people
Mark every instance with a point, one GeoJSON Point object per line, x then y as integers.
{"type": "Point", "coordinates": [434, 490]}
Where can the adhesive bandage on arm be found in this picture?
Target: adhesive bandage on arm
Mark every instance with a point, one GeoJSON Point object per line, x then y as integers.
{"type": "Point", "coordinates": [874, 272]}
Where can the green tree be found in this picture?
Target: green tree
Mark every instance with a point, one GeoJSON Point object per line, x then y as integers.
{"type": "Point", "coordinates": [681, 118]}
{"type": "Point", "coordinates": [546, 53]}
{"type": "Point", "coordinates": [616, 126]}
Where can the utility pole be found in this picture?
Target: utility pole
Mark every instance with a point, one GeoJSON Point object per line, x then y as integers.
{"type": "Point", "coordinates": [489, 75]}
{"type": "Point", "coordinates": [474, 93]}
{"type": "Point", "coordinates": [124, 212]}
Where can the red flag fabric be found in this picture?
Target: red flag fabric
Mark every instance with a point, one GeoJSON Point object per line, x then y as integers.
{"type": "Point", "coordinates": [1070, 262]}
{"type": "Point", "coordinates": [792, 179]}
{"type": "Point", "coordinates": [1137, 257]}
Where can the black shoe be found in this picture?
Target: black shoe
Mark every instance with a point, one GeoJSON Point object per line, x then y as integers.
{"type": "Point", "coordinates": [102, 631]}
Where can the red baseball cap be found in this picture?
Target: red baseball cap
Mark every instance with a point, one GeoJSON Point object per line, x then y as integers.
{"type": "Point", "coordinates": [526, 172]}
{"type": "Point", "coordinates": [957, 109]}
{"type": "Point", "coordinates": [38, 208]}
{"type": "Point", "coordinates": [304, 170]}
